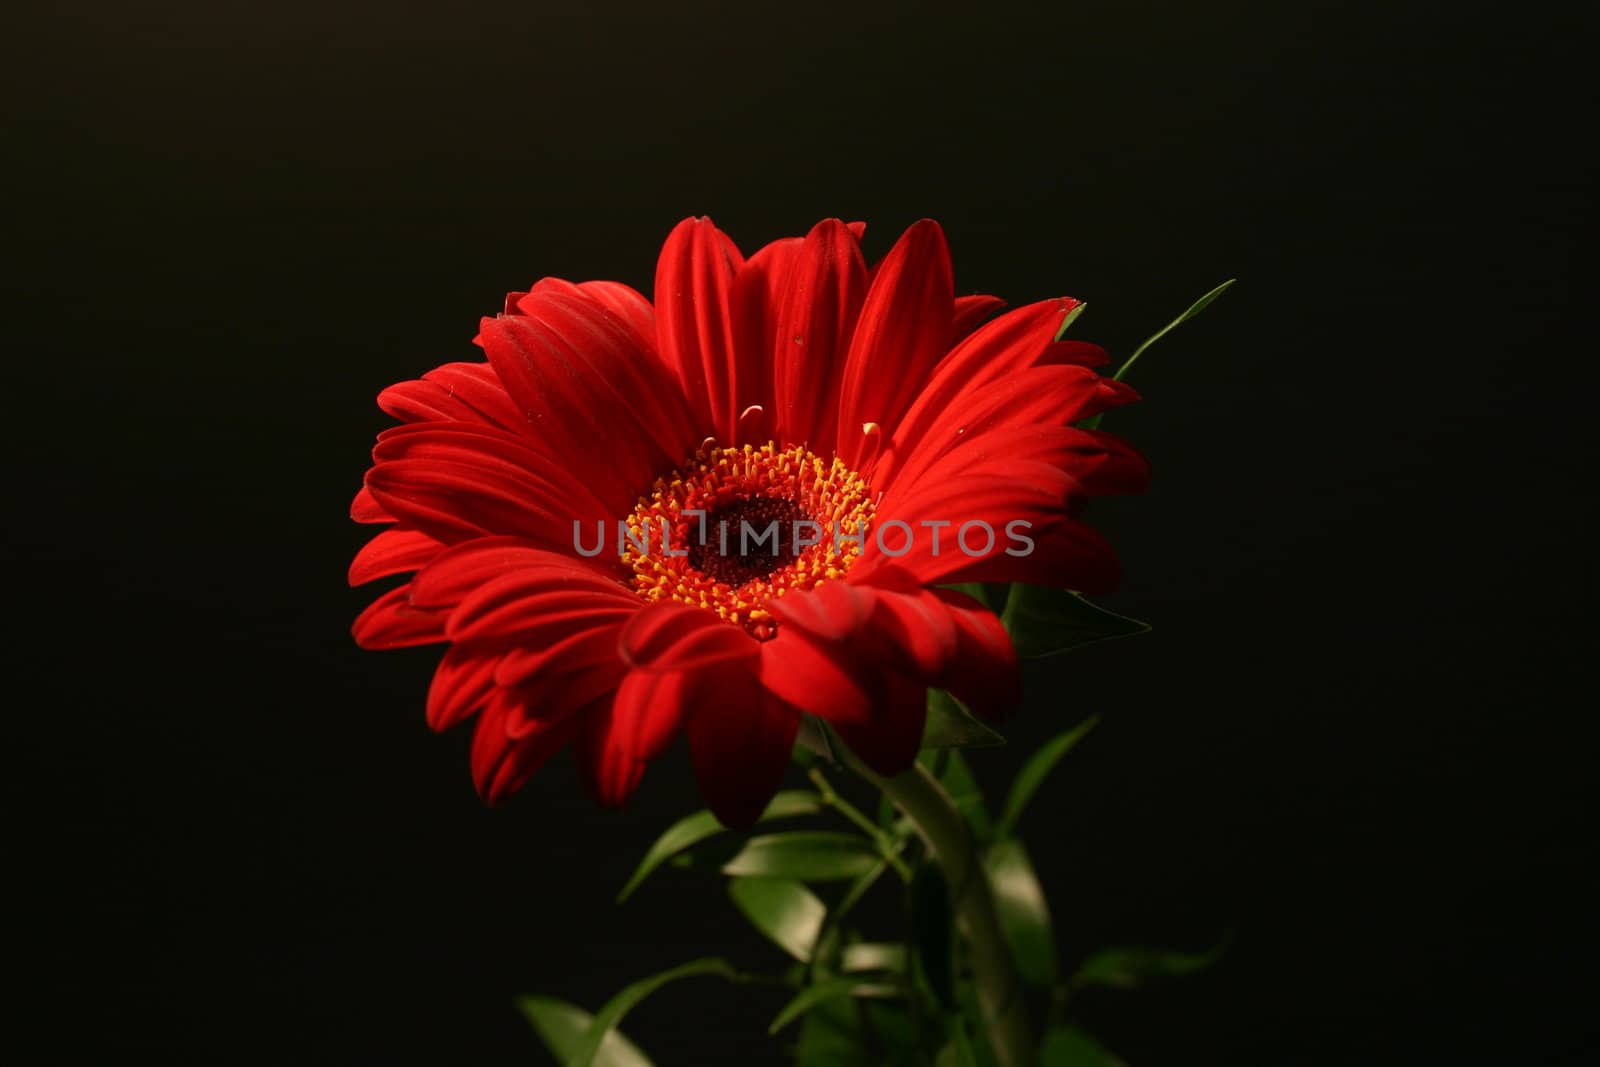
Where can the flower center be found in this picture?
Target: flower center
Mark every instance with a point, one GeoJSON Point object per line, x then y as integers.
{"type": "Point", "coordinates": [743, 525]}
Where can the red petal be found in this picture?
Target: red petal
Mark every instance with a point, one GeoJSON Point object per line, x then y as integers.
{"type": "Point", "coordinates": [464, 568]}
{"type": "Point", "coordinates": [539, 604]}
{"type": "Point", "coordinates": [904, 329]}
{"type": "Point", "coordinates": [392, 552]}
{"type": "Point", "coordinates": [391, 622]}
{"type": "Point", "coordinates": [642, 385]}
{"type": "Point", "coordinates": [970, 313]}
{"type": "Point", "coordinates": [609, 772]}
{"type": "Point", "coordinates": [672, 636]}
{"type": "Point", "coordinates": [824, 291]}
{"type": "Point", "coordinates": [888, 742]}
{"type": "Point", "coordinates": [815, 676]}
{"type": "Point", "coordinates": [694, 283]}
{"type": "Point", "coordinates": [1013, 342]}
{"type": "Point", "coordinates": [740, 741]}
{"type": "Point", "coordinates": [983, 674]}
{"type": "Point", "coordinates": [463, 681]}
{"type": "Point", "coordinates": [366, 509]}
{"type": "Point", "coordinates": [456, 392]}
{"type": "Point", "coordinates": [571, 409]}
{"type": "Point", "coordinates": [628, 305]}
{"type": "Point", "coordinates": [501, 765]}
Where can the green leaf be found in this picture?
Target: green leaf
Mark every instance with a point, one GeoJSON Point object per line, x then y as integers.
{"type": "Point", "coordinates": [1194, 309]}
{"type": "Point", "coordinates": [804, 855]}
{"type": "Point", "coordinates": [1125, 968]}
{"type": "Point", "coordinates": [693, 829]}
{"type": "Point", "coordinates": [1036, 770]}
{"type": "Point", "coordinates": [562, 1026]}
{"type": "Point", "coordinates": [958, 1050]}
{"type": "Point", "coordinates": [607, 1018]}
{"type": "Point", "coordinates": [830, 989]}
{"type": "Point", "coordinates": [1070, 1046]}
{"type": "Point", "coordinates": [788, 913]}
{"type": "Point", "coordinates": [873, 956]}
{"type": "Point", "coordinates": [949, 725]}
{"type": "Point", "coordinates": [1024, 916]}
{"type": "Point", "coordinates": [1043, 621]}
{"type": "Point", "coordinates": [933, 929]}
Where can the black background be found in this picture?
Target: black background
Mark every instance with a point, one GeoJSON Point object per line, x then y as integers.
{"type": "Point", "coordinates": [1350, 736]}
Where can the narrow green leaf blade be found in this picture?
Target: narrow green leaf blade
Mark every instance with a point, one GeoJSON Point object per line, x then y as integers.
{"type": "Point", "coordinates": [805, 856]}
{"type": "Point", "coordinates": [562, 1026]}
{"type": "Point", "coordinates": [788, 913]}
{"type": "Point", "coordinates": [1126, 968]}
{"type": "Point", "coordinates": [949, 725]}
{"type": "Point", "coordinates": [702, 825]}
{"type": "Point", "coordinates": [1036, 770]}
{"type": "Point", "coordinates": [1024, 915]}
{"type": "Point", "coordinates": [1044, 622]}
{"type": "Point", "coordinates": [1193, 310]}
{"type": "Point", "coordinates": [607, 1018]}
{"type": "Point", "coordinates": [830, 989]}
{"type": "Point", "coordinates": [1071, 1046]}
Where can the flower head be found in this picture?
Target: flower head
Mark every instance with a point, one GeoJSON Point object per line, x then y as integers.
{"type": "Point", "coordinates": [737, 504]}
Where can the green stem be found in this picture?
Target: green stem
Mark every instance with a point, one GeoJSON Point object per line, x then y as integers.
{"type": "Point", "coordinates": [1000, 997]}
{"type": "Point", "coordinates": [886, 844]}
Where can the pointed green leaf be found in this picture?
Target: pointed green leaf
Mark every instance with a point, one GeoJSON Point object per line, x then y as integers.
{"type": "Point", "coordinates": [607, 1018]}
{"type": "Point", "coordinates": [804, 855]}
{"type": "Point", "coordinates": [1024, 916]}
{"type": "Point", "coordinates": [702, 825]}
{"type": "Point", "coordinates": [949, 725]}
{"type": "Point", "coordinates": [1044, 621]}
{"type": "Point", "coordinates": [788, 913]}
{"type": "Point", "coordinates": [562, 1026]}
{"type": "Point", "coordinates": [1125, 968]}
{"type": "Point", "coordinates": [1036, 770]}
{"type": "Point", "coordinates": [1194, 309]}
{"type": "Point", "coordinates": [830, 989]}
{"type": "Point", "coordinates": [1071, 1046]}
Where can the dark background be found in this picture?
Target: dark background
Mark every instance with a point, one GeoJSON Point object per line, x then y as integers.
{"type": "Point", "coordinates": [1351, 736]}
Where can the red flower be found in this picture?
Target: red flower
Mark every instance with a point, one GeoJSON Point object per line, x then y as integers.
{"type": "Point", "coordinates": [797, 384]}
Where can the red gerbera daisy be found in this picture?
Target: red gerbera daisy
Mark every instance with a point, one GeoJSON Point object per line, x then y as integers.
{"type": "Point", "coordinates": [898, 446]}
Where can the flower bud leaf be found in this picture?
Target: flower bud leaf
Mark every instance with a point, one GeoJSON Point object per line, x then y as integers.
{"type": "Point", "coordinates": [949, 725]}
{"type": "Point", "coordinates": [1043, 621]}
